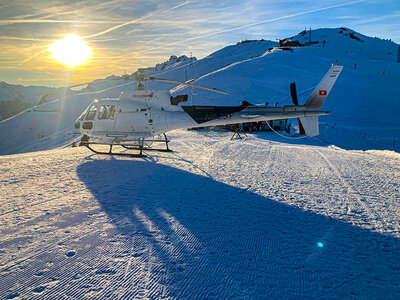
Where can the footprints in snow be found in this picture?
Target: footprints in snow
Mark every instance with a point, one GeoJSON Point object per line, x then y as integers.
{"type": "Point", "coordinates": [39, 289]}
{"type": "Point", "coordinates": [39, 274]}
{"type": "Point", "coordinates": [70, 253]}
{"type": "Point", "coordinates": [137, 254]}
{"type": "Point", "coordinates": [12, 295]}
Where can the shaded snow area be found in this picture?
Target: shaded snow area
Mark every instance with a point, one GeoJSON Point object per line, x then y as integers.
{"type": "Point", "coordinates": [255, 218]}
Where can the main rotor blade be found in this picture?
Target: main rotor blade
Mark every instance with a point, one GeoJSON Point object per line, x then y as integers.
{"type": "Point", "coordinates": [58, 89]}
{"type": "Point", "coordinates": [188, 84]}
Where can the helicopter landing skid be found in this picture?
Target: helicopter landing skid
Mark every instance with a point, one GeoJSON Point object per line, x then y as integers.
{"type": "Point", "coordinates": [110, 152]}
{"type": "Point", "coordinates": [146, 148]}
{"type": "Point", "coordinates": [136, 147]}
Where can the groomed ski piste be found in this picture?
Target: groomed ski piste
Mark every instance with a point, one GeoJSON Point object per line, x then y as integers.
{"type": "Point", "coordinates": [255, 218]}
{"type": "Point", "coordinates": [265, 217]}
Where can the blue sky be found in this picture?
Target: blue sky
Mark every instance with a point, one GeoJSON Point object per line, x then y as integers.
{"type": "Point", "coordinates": [156, 29]}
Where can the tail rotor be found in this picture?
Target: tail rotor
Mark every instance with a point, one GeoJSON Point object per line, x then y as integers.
{"type": "Point", "coordinates": [295, 100]}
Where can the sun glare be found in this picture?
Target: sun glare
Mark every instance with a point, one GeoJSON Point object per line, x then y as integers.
{"type": "Point", "coordinates": [71, 50]}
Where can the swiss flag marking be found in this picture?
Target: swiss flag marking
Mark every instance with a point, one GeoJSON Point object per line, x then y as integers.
{"type": "Point", "coordinates": [322, 92]}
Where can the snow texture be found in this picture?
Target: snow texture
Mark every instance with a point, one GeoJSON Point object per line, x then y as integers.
{"type": "Point", "coordinates": [28, 94]}
{"type": "Point", "coordinates": [263, 217]}
{"type": "Point", "coordinates": [256, 218]}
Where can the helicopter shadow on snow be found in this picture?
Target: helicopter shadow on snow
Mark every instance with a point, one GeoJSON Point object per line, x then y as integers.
{"type": "Point", "coordinates": [265, 135]}
{"type": "Point", "coordinates": [214, 240]}
{"type": "Point", "coordinates": [292, 140]}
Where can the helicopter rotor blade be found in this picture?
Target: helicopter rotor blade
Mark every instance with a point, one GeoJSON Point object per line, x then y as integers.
{"type": "Point", "coordinates": [185, 83]}
{"type": "Point", "coordinates": [58, 89]}
{"type": "Point", "coordinates": [295, 100]}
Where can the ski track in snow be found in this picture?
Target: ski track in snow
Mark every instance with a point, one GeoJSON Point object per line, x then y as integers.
{"type": "Point", "coordinates": [214, 219]}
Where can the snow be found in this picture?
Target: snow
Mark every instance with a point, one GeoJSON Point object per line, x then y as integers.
{"type": "Point", "coordinates": [189, 70]}
{"type": "Point", "coordinates": [346, 40]}
{"type": "Point", "coordinates": [364, 103]}
{"type": "Point", "coordinates": [214, 219]}
{"type": "Point", "coordinates": [51, 125]}
{"type": "Point", "coordinates": [28, 94]}
{"type": "Point", "coordinates": [263, 217]}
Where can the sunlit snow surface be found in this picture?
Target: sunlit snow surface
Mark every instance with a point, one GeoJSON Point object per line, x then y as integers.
{"type": "Point", "coordinates": [214, 219]}
{"type": "Point", "coordinates": [364, 102]}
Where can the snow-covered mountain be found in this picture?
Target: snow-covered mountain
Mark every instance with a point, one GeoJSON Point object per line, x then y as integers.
{"type": "Point", "coordinates": [192, 68]}
{"type": "Point", "coordinates": [49, 125]}
{"type": "Point", "coordinates": [16, 98]}
{"type": "Point", "coordinates": [364, 103]}
{"type": "Point", "coordinates": [29, 94]}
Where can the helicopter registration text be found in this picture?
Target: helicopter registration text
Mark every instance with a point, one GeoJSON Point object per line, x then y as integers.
{"type": "Point", "coordinates": [210, 117]}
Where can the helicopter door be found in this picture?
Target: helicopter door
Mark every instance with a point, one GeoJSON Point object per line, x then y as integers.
{"type": "Point", "coordinates": [141, 121]}
{"type": "Point", "coordinates": [105, 118]}
{"type": "Point", "coordinates": [124, 121]}
{"type": "Point", "coordinates": [134, 121]}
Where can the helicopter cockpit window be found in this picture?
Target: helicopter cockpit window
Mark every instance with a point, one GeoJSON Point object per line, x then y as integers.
{"type": "Point", "coordinates": [106, 112]}
{"type": "Point", "coordinates": [91, 113]}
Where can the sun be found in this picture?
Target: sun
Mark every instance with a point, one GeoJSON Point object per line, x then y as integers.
{"type": "Point", "coordinates": [71, 50]}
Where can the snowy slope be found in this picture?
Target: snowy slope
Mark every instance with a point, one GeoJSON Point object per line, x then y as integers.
{"type": "Point", "coordinates": [216, 219]}
{"type": "Point", "coordinates": [351, 43]}
{"type": "Point", "coordinates": [51, 125]}
{"type": "Point", "coordinates": [196, 68]}
{"type": "Point", "coordinates": [28, 94]}
{"type": "Point", "coordinates": [364, 103]}
{"type": "Point", "coordinates": [17, 98]}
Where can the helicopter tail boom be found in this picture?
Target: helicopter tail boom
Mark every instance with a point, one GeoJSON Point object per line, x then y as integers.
{"type": "Point", "coordinates": [318, 96]}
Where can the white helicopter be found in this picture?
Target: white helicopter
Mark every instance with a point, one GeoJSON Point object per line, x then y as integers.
{"type": "Point", "coordinates": [137, 120]}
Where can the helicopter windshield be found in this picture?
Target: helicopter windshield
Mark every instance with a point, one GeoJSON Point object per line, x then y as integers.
{"type": "Point", "coordinates": [82, 116]}
{"type": "Point", "coordinates": [91, 112]}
